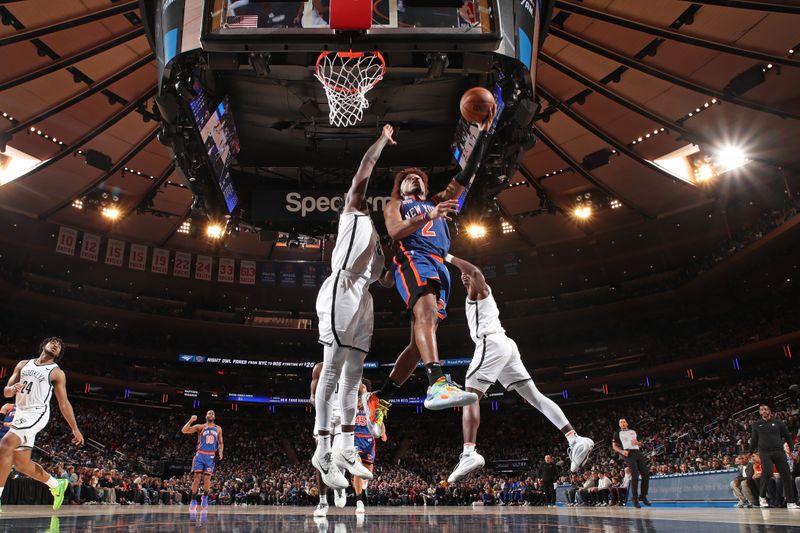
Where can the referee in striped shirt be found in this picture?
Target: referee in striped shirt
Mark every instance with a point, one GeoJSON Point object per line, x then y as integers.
{"type": "Point", "coordinates": [626, 444]}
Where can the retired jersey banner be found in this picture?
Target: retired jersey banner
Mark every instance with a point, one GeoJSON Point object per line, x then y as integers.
{"type": "Point", "coordinates": [138, 257]}
{"type": "Point", "coordinates": [226, 269]}
{"type": "Point", "coordinates": [267, 273]}
{"type": "Point", "coordinates": [67, 239]}
{"type": "Point", "coordinates": [202, 268]}
{"type": "Point", "coordinates": [90, 248]}
{"type": "Point", "coordinates": [247, 272]}
{"type": "Point", "coordinates": [183, 265]}
{"type": "Point", "coordinates": [310, 276]}
{"type": "Point", "coordinates": [115, 251]}
{"type": "Point", "coordinates": [160, 262]}
{"type": "Point", "coordinates": [289, 274]}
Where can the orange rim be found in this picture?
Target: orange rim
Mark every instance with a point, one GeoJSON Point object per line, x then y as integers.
{"type": "Point", "coordinates": [350, 55]}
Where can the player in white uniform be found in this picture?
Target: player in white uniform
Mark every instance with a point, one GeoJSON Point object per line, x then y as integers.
{"type": "Point", "coordinates": [344, 308]}
{"type": "Point", "coordinates": [33, 383]}
{"type": "Point", "coordinates": [497, 358]}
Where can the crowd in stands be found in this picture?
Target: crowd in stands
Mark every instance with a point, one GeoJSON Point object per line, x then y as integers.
{"type": "Point", "coordinates": [132, 451]}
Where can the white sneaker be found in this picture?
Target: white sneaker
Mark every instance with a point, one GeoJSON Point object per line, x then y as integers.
{"type": "Point", "coordinates": [444, 394]}
{"type": "Point", "coordinates": [331, 475]}
{"type": "Point", "coordinates": [763, 502]}
{"type": "Point", "coordinates": [321, 510]}
{"type": "Point", "coordinates": [376, 410]}
{"type": "Point", "coordinates": [579, 452]}
{"type": "Point", "coordinates": [360, 507]}
{"type": "Point", "coordinates": [350, 461]}
{"type": "Point", "coordinates": [792, 505]}
{"type": "Point", "coordinates": [466, 464]}
{"type": "Point", "coordinates": [340, 498]}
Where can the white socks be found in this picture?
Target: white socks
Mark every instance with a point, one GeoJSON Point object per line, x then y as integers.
{"type": "Point", "coordinates": [469, 447]}
{"type": "Point", "coordinates": [324, 443]}
{"type": "Point", "coordinates": [572, 436]}
{"type": "Point", "coordinates": [348, 440]}
{"type": "Point", "coordinates": [52, 482]}
{"type": "Point", "coordinates": [323, 499]}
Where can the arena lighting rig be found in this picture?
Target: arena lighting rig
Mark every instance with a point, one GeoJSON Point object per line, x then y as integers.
{"type": "Point", "coordinates": [247, 115]}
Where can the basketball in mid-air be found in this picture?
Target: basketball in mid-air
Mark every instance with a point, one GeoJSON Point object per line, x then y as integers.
{"type": "Point", "coordinates": [476, 104]}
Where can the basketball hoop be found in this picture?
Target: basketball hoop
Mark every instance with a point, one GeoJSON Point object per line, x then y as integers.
{"type": "Point", "coordinates": [347, 77]}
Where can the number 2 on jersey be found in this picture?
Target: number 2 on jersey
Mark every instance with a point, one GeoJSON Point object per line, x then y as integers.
{"type": "Point", "coordinates": [427, 230]}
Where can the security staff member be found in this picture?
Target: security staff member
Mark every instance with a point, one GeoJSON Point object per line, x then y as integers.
{"type": "Point", "coordinates": [626, 444]}
{"type": "Point", "coordinates": [772, 440]}
{"type": "Point", "coordinates": [549, 473]}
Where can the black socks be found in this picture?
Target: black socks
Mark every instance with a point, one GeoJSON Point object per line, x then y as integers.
{"type": "Point", "coordinates": [433, 371]}
{"type": "Point", "coordinates": [388, 390]}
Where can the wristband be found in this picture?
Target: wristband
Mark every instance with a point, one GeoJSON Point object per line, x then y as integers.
{"type": "Point", "coordinates": [448, 258]}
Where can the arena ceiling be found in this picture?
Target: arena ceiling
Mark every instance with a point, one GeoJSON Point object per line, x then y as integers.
{"type": "Point", "coordinates": [80, 75]}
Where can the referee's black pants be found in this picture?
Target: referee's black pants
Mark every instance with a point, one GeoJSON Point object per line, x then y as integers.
{"type": "Point", "coordinates": [639, 467]}
{"type": "Point", "coordinates": [778, 460]}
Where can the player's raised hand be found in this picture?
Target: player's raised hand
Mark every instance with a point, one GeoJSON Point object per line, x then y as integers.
{"type": "Point", "coordinates": [444, 210]}
{"type": "Point", "coordinates": [77, 438]}
{"type": "Point", "coordinates": [486, 124]}
{"type": "Point", "coordinates": [387, 133]}
{"type": "Point", "coordinates": [192, 418]}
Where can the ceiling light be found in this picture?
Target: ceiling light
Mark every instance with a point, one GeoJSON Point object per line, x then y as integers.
{"type": "Point", "coordinates": [506, 227]}
{"type": "Point", "coordinates": [615, 204]}
{"type": "Point", "coordinates": [476, 231]}
{"type": "Point", "coordinates": [730, 158]}
{"type": "Point", "coordinates": [77, 204]}
{"type": "Point", "coordinates": [111, 213]}
{"type": "Point", "coordinates": [704, 172]}
{"type": "Point", "coordinates": [583, 212]}
{"type": "Point", "coordinates": [215, 231]}
{"type": "Point", "coordinates": [186, 226]}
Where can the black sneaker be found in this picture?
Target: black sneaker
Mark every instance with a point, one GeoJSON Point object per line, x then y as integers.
{"type": "Point", "coordinates": [646, 501]}
{"type": "Point", "coordinates": [636, 504]}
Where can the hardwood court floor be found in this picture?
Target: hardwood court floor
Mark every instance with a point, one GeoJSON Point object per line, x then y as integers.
{"type": "Point", "coordinates": [137, 519]}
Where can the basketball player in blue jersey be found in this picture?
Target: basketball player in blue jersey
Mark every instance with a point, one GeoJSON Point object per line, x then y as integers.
{"type": "Point", "coordinates": [365, 444]}
{"type": "Point", "coordinates": [32, 384]}
{"type": "Point", "coordinates": [209, 444]}
{"type": "Point", "coordinates": [497, 358]}
{"type": "Point", "coordinates": [7, 412]}
{"type": "Point", "coordinates": [417, 222]}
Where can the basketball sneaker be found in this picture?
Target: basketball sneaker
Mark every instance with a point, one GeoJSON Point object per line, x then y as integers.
{"type": "Point", "coordinates": [193, 506]}
{"type": "Point", "coordinates": [331, 475]}
{"type": "Point", "coordinates": [762, 502]}
{"type": "Point", "coordinates": [579, 451]}
{"type": "Point", "coordinates": [360, 507]}
{"type": "Point", "coordinates": [467, 462]}
{"type": "Point", "coordinates": [321, 510]}
{"type": "Point", "coordinates": [377, 410]}
{"type": "Point", "coordinates": [204, 501]}
{"type": "Point", "coordinates": [340, 498]}
{"type": "Point", "coordinates": [444, 394]}
{"type": "Point", "coordinates": [58, 493]}
{"type": "Point", "coordinates": [349, 460]}
{"type": "Point", "coordinates": [793, 506]}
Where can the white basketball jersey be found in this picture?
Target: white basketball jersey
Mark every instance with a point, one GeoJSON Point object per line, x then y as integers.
{"type": "Point", "coordinates": [357, 247]}
{"type": "Point", "coordinates": [36, 387]}
{"type": "Point", "coordinates": [483, 317]}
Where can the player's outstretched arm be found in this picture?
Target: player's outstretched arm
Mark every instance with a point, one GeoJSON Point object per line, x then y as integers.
{"type": "Point", "coordinates": [188, 428]}
{"type": "Point", "coordinates": [462, 179]}
{"type": "Point", "coordinates": [221, 444]}
{"type": "Point", "coordinates": [478, 288]}
{"type": "Point", "coordinates": [14, 386]}
{"type": "Point", "coordinates": [59, 381]}
{"type": "Point", "coordinates": [358, 187]}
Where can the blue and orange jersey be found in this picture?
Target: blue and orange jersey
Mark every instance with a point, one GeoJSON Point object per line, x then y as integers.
{"type": "Point", "coordinates": [432, 238]}
{"type": "Point", "coordinates": [208, 439]}
{"type": "Point", "coordinates": [8, 419]}
{"type": "Point", "coordinates": [361, 429]}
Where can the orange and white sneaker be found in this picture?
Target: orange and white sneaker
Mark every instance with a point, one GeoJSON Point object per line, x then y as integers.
{"type": "Point", "coordinates": [377, 410]}
{"type": "Point", "coordinates": [444, 394]}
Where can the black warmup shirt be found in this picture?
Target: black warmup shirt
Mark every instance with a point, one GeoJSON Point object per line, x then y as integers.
{"type": "Point", "coordinates": [769, 435]}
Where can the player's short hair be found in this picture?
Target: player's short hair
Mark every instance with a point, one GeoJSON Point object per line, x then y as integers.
{"type": "Point", "coordinates": [367, 383]}
{"type": "Point", "coordinates": [400, 176]}
{"type": "Point", "coordinates": [60, 341]}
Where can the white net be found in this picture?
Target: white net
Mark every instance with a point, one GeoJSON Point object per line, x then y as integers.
{"type": "Point", "coordinates": [347, 77]}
